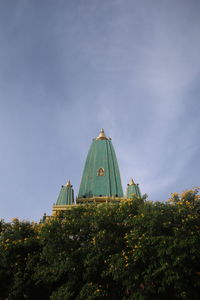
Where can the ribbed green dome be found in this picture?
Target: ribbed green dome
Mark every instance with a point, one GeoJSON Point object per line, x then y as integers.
{"type": "Point", "coordinates": [66, 195]}
{"type": "Point", "coordinates": [101, 175]}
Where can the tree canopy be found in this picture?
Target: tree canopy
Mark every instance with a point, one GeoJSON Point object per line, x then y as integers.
{"type": "Point", "coordinates": [134, 250]}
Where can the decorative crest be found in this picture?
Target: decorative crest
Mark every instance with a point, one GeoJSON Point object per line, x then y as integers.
{"type": "Point", "coordinates": [101, 135]}
{"type": "Point", "coordinates": [131, 182]}
{"type": "Point", "coordinates": [68, 184]}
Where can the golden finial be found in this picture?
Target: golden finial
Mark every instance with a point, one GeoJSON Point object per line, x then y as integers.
{"type": "Point", "coordinates": [131, 182]}
{"type": "Point", "coordinates": [101, 135]}
{"type": "Point", "coordinates": [68, 184]}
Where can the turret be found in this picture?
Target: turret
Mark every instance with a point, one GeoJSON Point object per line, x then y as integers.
{"type": "Point", "coordinates": [133, 190]}
{"type": "Point", "coordinates": [66, 195]}
{"type": "Point", "coordinates": [65, 198]}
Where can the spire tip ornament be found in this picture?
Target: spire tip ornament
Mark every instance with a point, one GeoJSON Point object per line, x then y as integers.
{"type": "Point", "coordinates": [131, 182]}
{"type": "Point", "coordinates": [101, 136]}
{"type": "Point", "coordinates": [68, 184]}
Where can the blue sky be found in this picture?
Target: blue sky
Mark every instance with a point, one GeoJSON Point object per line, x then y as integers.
{"type": "Point", "coordinates": [69, 68]}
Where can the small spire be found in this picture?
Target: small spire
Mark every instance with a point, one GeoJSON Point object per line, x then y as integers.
{"type": "Point", "coordinates": [131, 182]}
{"type": "Point", "coordinates": [68, 184]}
{"type": "Point", "coordinates": [101, 135]}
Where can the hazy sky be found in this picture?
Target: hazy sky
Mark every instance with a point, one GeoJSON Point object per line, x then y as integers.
{"type": "Point", "coordinates": [69, 68]}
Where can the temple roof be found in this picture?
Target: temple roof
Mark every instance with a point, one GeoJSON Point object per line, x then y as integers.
{"type": "Point", "coordinates": [101, 176]}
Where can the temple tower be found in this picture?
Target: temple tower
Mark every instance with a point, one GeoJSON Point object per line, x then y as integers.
{"type": "Point", "coordinates": [100, 181]}
{"type": "Point", "coordinates": [101, 176]}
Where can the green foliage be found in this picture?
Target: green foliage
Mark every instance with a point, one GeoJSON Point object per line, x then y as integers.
{"type": "Point", "coordinates": [133, 250]}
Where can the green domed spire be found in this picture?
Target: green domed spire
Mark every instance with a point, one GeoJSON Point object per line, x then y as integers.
{"type": "Point", "coordinates": [133, 189]}
{"type": "Point", "coordinates": [66, 195]}
{"type": "Point", "coordinates": [101, 175]}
